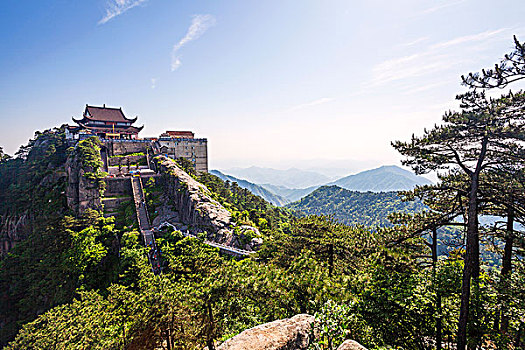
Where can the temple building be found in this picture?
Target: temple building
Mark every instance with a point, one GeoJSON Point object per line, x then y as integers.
{"type": "Point", "coordinates": [176, 144]}
{"type": "Point", "coordinates": [104, 122]}
{"type": "Point", "coordinates": [120, 138]}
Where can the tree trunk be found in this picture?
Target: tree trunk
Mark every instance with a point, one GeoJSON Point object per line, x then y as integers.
{"type": "Point", "coordinates": [471, 268]}
{"type": "Point", "coordinates": [437, 289]}
{"type": "Point", "coordinates": [331, 260]}
{"type": "Point", "coordinates": [518, 336]}
{"type": "Point", "coordinates": [167, 336]}
{"type": "Point", "coordinates": [506, 268]}
{"type": "Point", "coordinates": [210, 334]}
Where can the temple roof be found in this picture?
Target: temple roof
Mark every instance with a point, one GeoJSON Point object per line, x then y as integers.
{"type": "Point", "coordinates": [117, 129]}
{"type": "Point", "coordinates": [106, 114]}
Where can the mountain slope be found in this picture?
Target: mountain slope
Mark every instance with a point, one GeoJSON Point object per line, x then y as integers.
{"type": "Point", "coordinates": [253, 188]}
{"type": "Point", "coordinates": [289, 194]}
{"type": "Point", "coordinates": [385, 178]}
{"type": "Point", "coordinates": [291, 178]}
{"type": "Point", "coordinates": [352, 207]}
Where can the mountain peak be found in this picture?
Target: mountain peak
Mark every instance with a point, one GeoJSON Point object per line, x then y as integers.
{"type": "Point", "coordinates": [384, 178]}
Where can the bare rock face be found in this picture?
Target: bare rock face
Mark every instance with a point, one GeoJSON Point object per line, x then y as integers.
{"type": "Point", "coordinates": [288, 334]}
{"type": "Point", "coordinates": [198, 210]}
{"type": "Point", "coordinates": [13, 229]}
{"type": "Point", "coordinates": [351, 345]}
{"type": "Point", "coordinates": [82, 193]}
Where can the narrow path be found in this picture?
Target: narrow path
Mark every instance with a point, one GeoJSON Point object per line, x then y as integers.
{"type": "Point", "coordinates": [222, 247]}
{"type": "Point", "coordinates": [144, 224]}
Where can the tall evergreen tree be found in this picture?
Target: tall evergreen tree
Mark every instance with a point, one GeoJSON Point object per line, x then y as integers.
{"type": "Point", "coordinates": [503, 191]}
{"type": "Point", "coordinates": [3, 156]}
{"type": "Point", "coordinates": [473, 141]}
{"type": "Point", "coordinates": [445, 203]}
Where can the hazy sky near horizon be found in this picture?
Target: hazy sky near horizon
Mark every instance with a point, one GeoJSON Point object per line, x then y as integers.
{"type": "Point", "coordinates": [275, 83]}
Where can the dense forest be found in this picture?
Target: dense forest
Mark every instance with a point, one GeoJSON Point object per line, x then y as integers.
{"type": "Point", "coordinates": [354, 208]}
{"type": "Point", "coordinates": [84, 281]}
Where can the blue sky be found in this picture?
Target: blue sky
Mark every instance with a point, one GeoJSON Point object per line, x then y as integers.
{"type": "Point", "coordinates": [270, 83]}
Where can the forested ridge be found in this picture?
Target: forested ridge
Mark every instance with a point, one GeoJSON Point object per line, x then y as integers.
{"type": "Point", "coordinates": [85, 282]}
{"type": "Point", "coordinates": [354, 208]}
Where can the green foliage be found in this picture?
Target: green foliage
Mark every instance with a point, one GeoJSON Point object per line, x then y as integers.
{"type": "Point", "coordinates": [375, 295]}
{"type": "Point", "coordinates": [187, 166]}
{"type": "Point", "coordinates": [83, 283]}
{"type": "Point", "coordinates": [334, 323]}
{"type": "Point", "coordinates": [246, 208]}
{"type": "Point", "coordinates": [48, 267]}
{"type": "Point", "coordinates": [33, 181]}
{"type": "Point", "coordinates": [3, 156]}
{"type": "Point", "coordinates": [152, 192]}
{"type": "Point", "coordinates": [88, 152]}
{"type": "Point", "coordinates": [128, 155]}
{"type": "Point", "coordinates": [354, 208]}
{"type": "Point", "coordinates": [483, 141]}
{"type": "Point", "coordinates": [126, 215]}
{"type": "Point", "coordinates": [90, 322]}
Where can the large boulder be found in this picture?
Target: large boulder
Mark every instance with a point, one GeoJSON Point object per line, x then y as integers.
{"type": "Point", "coordinates": [351, 345]}
{"type": "Point", "coordinates": [287, 334]}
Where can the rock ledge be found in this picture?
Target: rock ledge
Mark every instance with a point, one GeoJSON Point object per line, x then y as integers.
{"type": "Point", "coordinates": [287, 334]}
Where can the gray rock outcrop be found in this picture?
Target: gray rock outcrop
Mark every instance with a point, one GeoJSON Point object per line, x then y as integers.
{"type": "Point", "coordinates": [287, 334]}
{"type": "Point", "coordinates": [199, 211]}
{"type": "Point", "coordinates": [82, 193]}
{"type": "Point", "coordinates": [13, 229]}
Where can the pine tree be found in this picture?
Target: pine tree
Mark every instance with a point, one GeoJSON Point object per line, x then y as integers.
{"type": "Point", "coordinates": [473, 141]}
{"type": "Point", "coordinates": [509, 70]}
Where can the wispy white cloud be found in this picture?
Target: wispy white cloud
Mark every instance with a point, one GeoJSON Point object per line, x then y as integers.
{"type": "Point", "coordinates": [416, 41]}
{"type": "Point", "coordinates": [440, 6]}
{"type": "Point", "coordinates": [312, 103]}
{"type": "Point", "coordinates": [199, 25]}
{"type": "Point", "coordinates": [115, 8]}
{"type": "Point", "coordinates": [154, 83]}
{"type": "Point", "coordinates": [439, 58]}
{"type": "Point", "coordinates": [415, 88]}
{"type": "Point", "coordinates": [471, 38]}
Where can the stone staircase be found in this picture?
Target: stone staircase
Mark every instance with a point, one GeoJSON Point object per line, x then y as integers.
{"type": "Point", "coordinates": [144, 224]}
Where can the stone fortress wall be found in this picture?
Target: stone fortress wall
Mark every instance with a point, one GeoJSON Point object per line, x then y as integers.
{"type": "Point", "coordinates": [122, 147]}
{"type": "Point", "coordinates": [195, 150]}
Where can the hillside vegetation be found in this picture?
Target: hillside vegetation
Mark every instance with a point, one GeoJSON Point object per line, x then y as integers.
{"type": "Point", "coordinates": [85, 282]}
{"type": "Point", "coordinates": [253, 188]}
{"type": "Point", "coordinates": [352, 207]}
{"type": "Point", "coordinates": [82, 281]}
{"type": "Point", "coordinates": [383, 179]}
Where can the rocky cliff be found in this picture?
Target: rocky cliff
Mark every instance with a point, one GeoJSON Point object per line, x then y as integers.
{"type": "Point", "coordinates": [13, 229]}
{"type": "Point", "coordinates": [198, 210]}
{"type": "Point", "coordinates": [31, 187]}
{"type": "Point", "coordinates": [85, 184]}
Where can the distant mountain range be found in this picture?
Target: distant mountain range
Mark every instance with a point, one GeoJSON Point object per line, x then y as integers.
{"type": "Point", "coordinates": [353, 207]}
{"type": "Point", "coordinates": [383, 179]}
{"type": "Point", "coordinates": [291, 178]}
{"type": "Point", "coordinates": [260, 191]}
{"type": "Point", "coordinates": [290, 185]}
{"type": "Point", "coordinates": [290, 194]}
